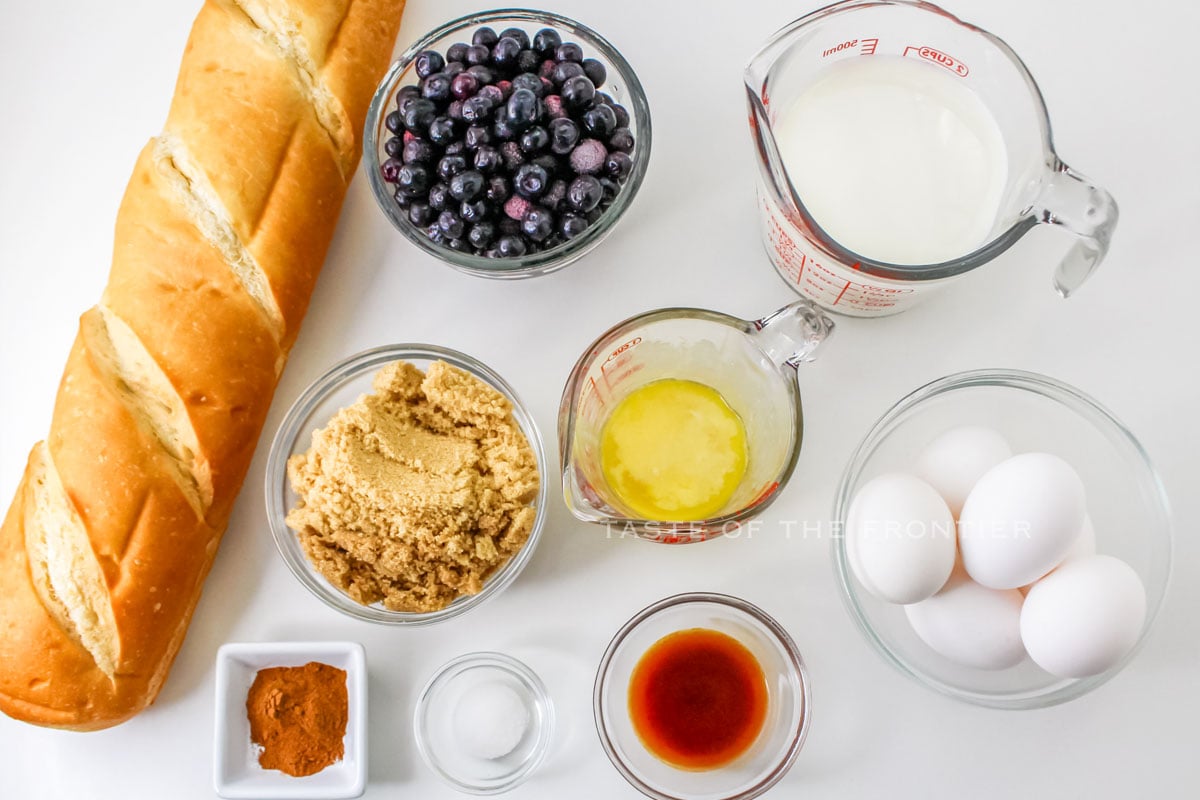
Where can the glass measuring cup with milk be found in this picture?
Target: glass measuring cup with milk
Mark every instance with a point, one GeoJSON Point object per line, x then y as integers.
{"type": "Point", "coordinates": [899, 148]}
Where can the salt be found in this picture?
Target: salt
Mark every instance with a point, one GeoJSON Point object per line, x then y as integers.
{"type": "Point", "coordinates": [490, 720]}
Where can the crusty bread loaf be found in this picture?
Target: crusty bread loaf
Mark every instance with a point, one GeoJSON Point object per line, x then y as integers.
{"type": "Point", "coordinates": [218, 243]}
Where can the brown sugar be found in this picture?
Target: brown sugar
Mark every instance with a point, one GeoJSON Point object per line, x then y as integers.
{"type": "Point", "coordinates": [415, 494]}
{"type": "Point", "coordinates": [298, 716]}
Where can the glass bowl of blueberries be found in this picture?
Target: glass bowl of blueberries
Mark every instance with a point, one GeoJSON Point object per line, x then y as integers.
{"type": "Point", "coordinates": [508, 143]}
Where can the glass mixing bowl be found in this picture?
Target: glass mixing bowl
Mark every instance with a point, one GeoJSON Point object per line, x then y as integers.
{"type": "Point", "coordinates": [788, 703]}
{"type": "Point", "coordinates": [340, 386]}
{"type": "Point", "coordinates": [622, 85]}
{"type": "Point", "coordinates": [1126, 501]}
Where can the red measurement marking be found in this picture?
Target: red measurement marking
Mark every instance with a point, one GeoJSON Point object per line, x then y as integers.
{"type": "Point", "coordinates": [842, 293]}
{"type": "Point", "coordinates": [634, 342]}
{"type": "Point", "coordinates": [868, 47]}
{"type": "Point", "coordinates": [938, 57]}
{"type": "Point", "coordinates": [837, 48]}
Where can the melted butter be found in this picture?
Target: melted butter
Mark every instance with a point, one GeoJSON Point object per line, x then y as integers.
{"type": "Point", "coordinates": [673, 450]}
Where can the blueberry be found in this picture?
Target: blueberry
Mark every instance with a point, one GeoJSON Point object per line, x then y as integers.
{"type": "Point", "coordinates": [394, 122]}
{"type": "Point", "coordinates": [621, 139]}
{"type": "Point", "coordinates": [522, 109]}
{"type": "Point", "coordinates": [451, 224]}
{"type": "Point", "coordinates": [569, 51]}
{"type": "Point", "coordinates": [555, 194]}
{"type": "Point", "coordinates": [588, 157]}
{"type": "Point", "coordinates": [594, 215]}
{"type": "Point", "coordinates": [538, 223]}
{"type": "Point", "coordinates": [435, 234]}
{"type": "Point", "coordinates": [441, 131]}
{"type": "Point", "coordinates": [464, 85]}
{"type": "Point", "coordinates": [484, 74]}
{"type": "Point", "coordinates": [406, 93]}
{"type": "Point", "coordinates": [554, 106]}
{"type": "Point", "coordinates": [521, 36]}
{"type": "Point", "coordinates": [531, 180]}
{"type": "Point", "coordinates": [474, 210]}
{"type": "Point", "coordinates": [477, 54]}
{"type": "Point", "coordinates": [505, 54]}
{"type": "Point", "coordinates": [402, 199]}
{"type": "Point", "coordinates": [618, 165]}
{"type": "Point", "coordinates": [566, 70]}
{"type": "Point", "coordinates": [584, 193]}
{"type": "Point", "coordinates": [485, 36]}
{"type": "Point", "coordinates": [390, 169]}
{"type": "Point", "coordinates": [420, 214]}
{"type": "Point", "coordinates": [428, 62]}
{"type": "Point", "coordinates": [577, 93]}
{"type": "Point", "coordinates": [455, 148]}
{"type": "Point", "coordinates": [417, 150]}
{"type": "Point", "coordinates": [497, 189]}
{"type": "Point", "coordinates": [449, 166]}
{"type": "Point", "coordinates": [488, 159]}
{"type": "Point", "coordinates": [535, 139]}
{"type": "Point", "coordinates": [502, 131]}
{"type": "Point", "coordinates": [546, 41]}
{"type": "Point", "coordinates": [510, 246]}
{"type": "Point", "coordinates": [571, 226]}
{"type": "Point", "coordinates": [595, 71]}
{"type": "Point", "coordinates": [394, 146]}
{"type": "Point", "coordinates": [477, 109]}
{"type": "Point", "coordinates": [419, 114]}
{"type": "Point", "coordinates": [481, 234]}
{"type": "Point", "coordinates": [439, 196]}
{"type": "Point", "coordinates": [546, 162]}
{"type": "Point", "coordinates": [456, 52]}
{"type": "Point", "coordinates": [527, 80]}
{"type": "Point", "coordinates": [509, 227]}
{"type": "Point", "coordinates": [600, 121]}
{"type": "Point", "coordinates": [476, 136]}
{"type": "Point", "coordinates": [460, 245]}
{"type": "Point", "coordinates": [494, 94]}
{"type": "Point", "coordinates": [610, 188]}
{"type": "Point", "coordinates": [412, 179]}
{"type": "Point", "coordinates": [513, 156]}
{"type": "Point", "coordinates": [454, 110]}
{"type": "Point", "coordinates": [622, 115]}
{"type": "Point", "coordinates": [466, 185]}
{"type": "Point", "coordinates": [454, 68]}
{"type": "Point", "coordinates": [528, 61]}
{"type": "Point", "coordinates": [436, 88]}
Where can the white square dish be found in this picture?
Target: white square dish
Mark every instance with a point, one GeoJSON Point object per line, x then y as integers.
{"type": "Point", "coordinates": [236, 772]}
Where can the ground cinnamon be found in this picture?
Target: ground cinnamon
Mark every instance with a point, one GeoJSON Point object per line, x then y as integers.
{"type": "Point", "coordinates": [298, 716]}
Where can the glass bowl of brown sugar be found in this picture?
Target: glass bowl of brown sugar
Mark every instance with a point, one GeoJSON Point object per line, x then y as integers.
{"type": "Point", "coordinates": [461, 499]}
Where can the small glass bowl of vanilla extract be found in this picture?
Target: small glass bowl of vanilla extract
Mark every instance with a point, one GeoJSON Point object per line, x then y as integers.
{"type": "Point", "coordinates": [702, 695]}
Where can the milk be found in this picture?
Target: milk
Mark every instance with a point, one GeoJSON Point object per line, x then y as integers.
{"type": "Point", "coordinates": [895, 158]}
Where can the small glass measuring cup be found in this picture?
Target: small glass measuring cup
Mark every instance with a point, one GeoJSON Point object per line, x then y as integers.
{"type": "Point", "coordinates": [752, 364]}
{"type": "Point", "coordinates": [1040, 188]}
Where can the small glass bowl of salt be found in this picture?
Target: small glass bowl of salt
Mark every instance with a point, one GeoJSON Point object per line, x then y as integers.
{"type": "Point", "coordinates": [483, 723]}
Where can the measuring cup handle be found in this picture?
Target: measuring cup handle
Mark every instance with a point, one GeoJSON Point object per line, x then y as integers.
{"type": "Point", "coordinates": [1086, 210]}
{"type": "Point", "coordinates": [791, 335]}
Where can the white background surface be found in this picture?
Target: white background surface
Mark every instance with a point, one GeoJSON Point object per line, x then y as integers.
{"type": "Point", "coordinates": [85, 85]}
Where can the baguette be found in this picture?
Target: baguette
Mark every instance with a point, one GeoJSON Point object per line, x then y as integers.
{"type": "Point", "coordinates": [219, 239]}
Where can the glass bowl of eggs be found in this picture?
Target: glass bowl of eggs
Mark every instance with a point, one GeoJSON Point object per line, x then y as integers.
{"type": "Point", "coordinates": [1003, 539]}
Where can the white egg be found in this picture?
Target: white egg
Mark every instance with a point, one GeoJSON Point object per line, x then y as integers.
{"type": "Point", "coordinates": [1020, 520]}
{"type": "Point", "coordinates": [970, 624]}
{"type": "Point", "coordinates": [954, 461]}
{"type": "Point", "coordinates": [1084, 617]}
{"type": "Point", "coordinates": [900, 538]}
{"type": "Point", "coordinates": [1084, 545]}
